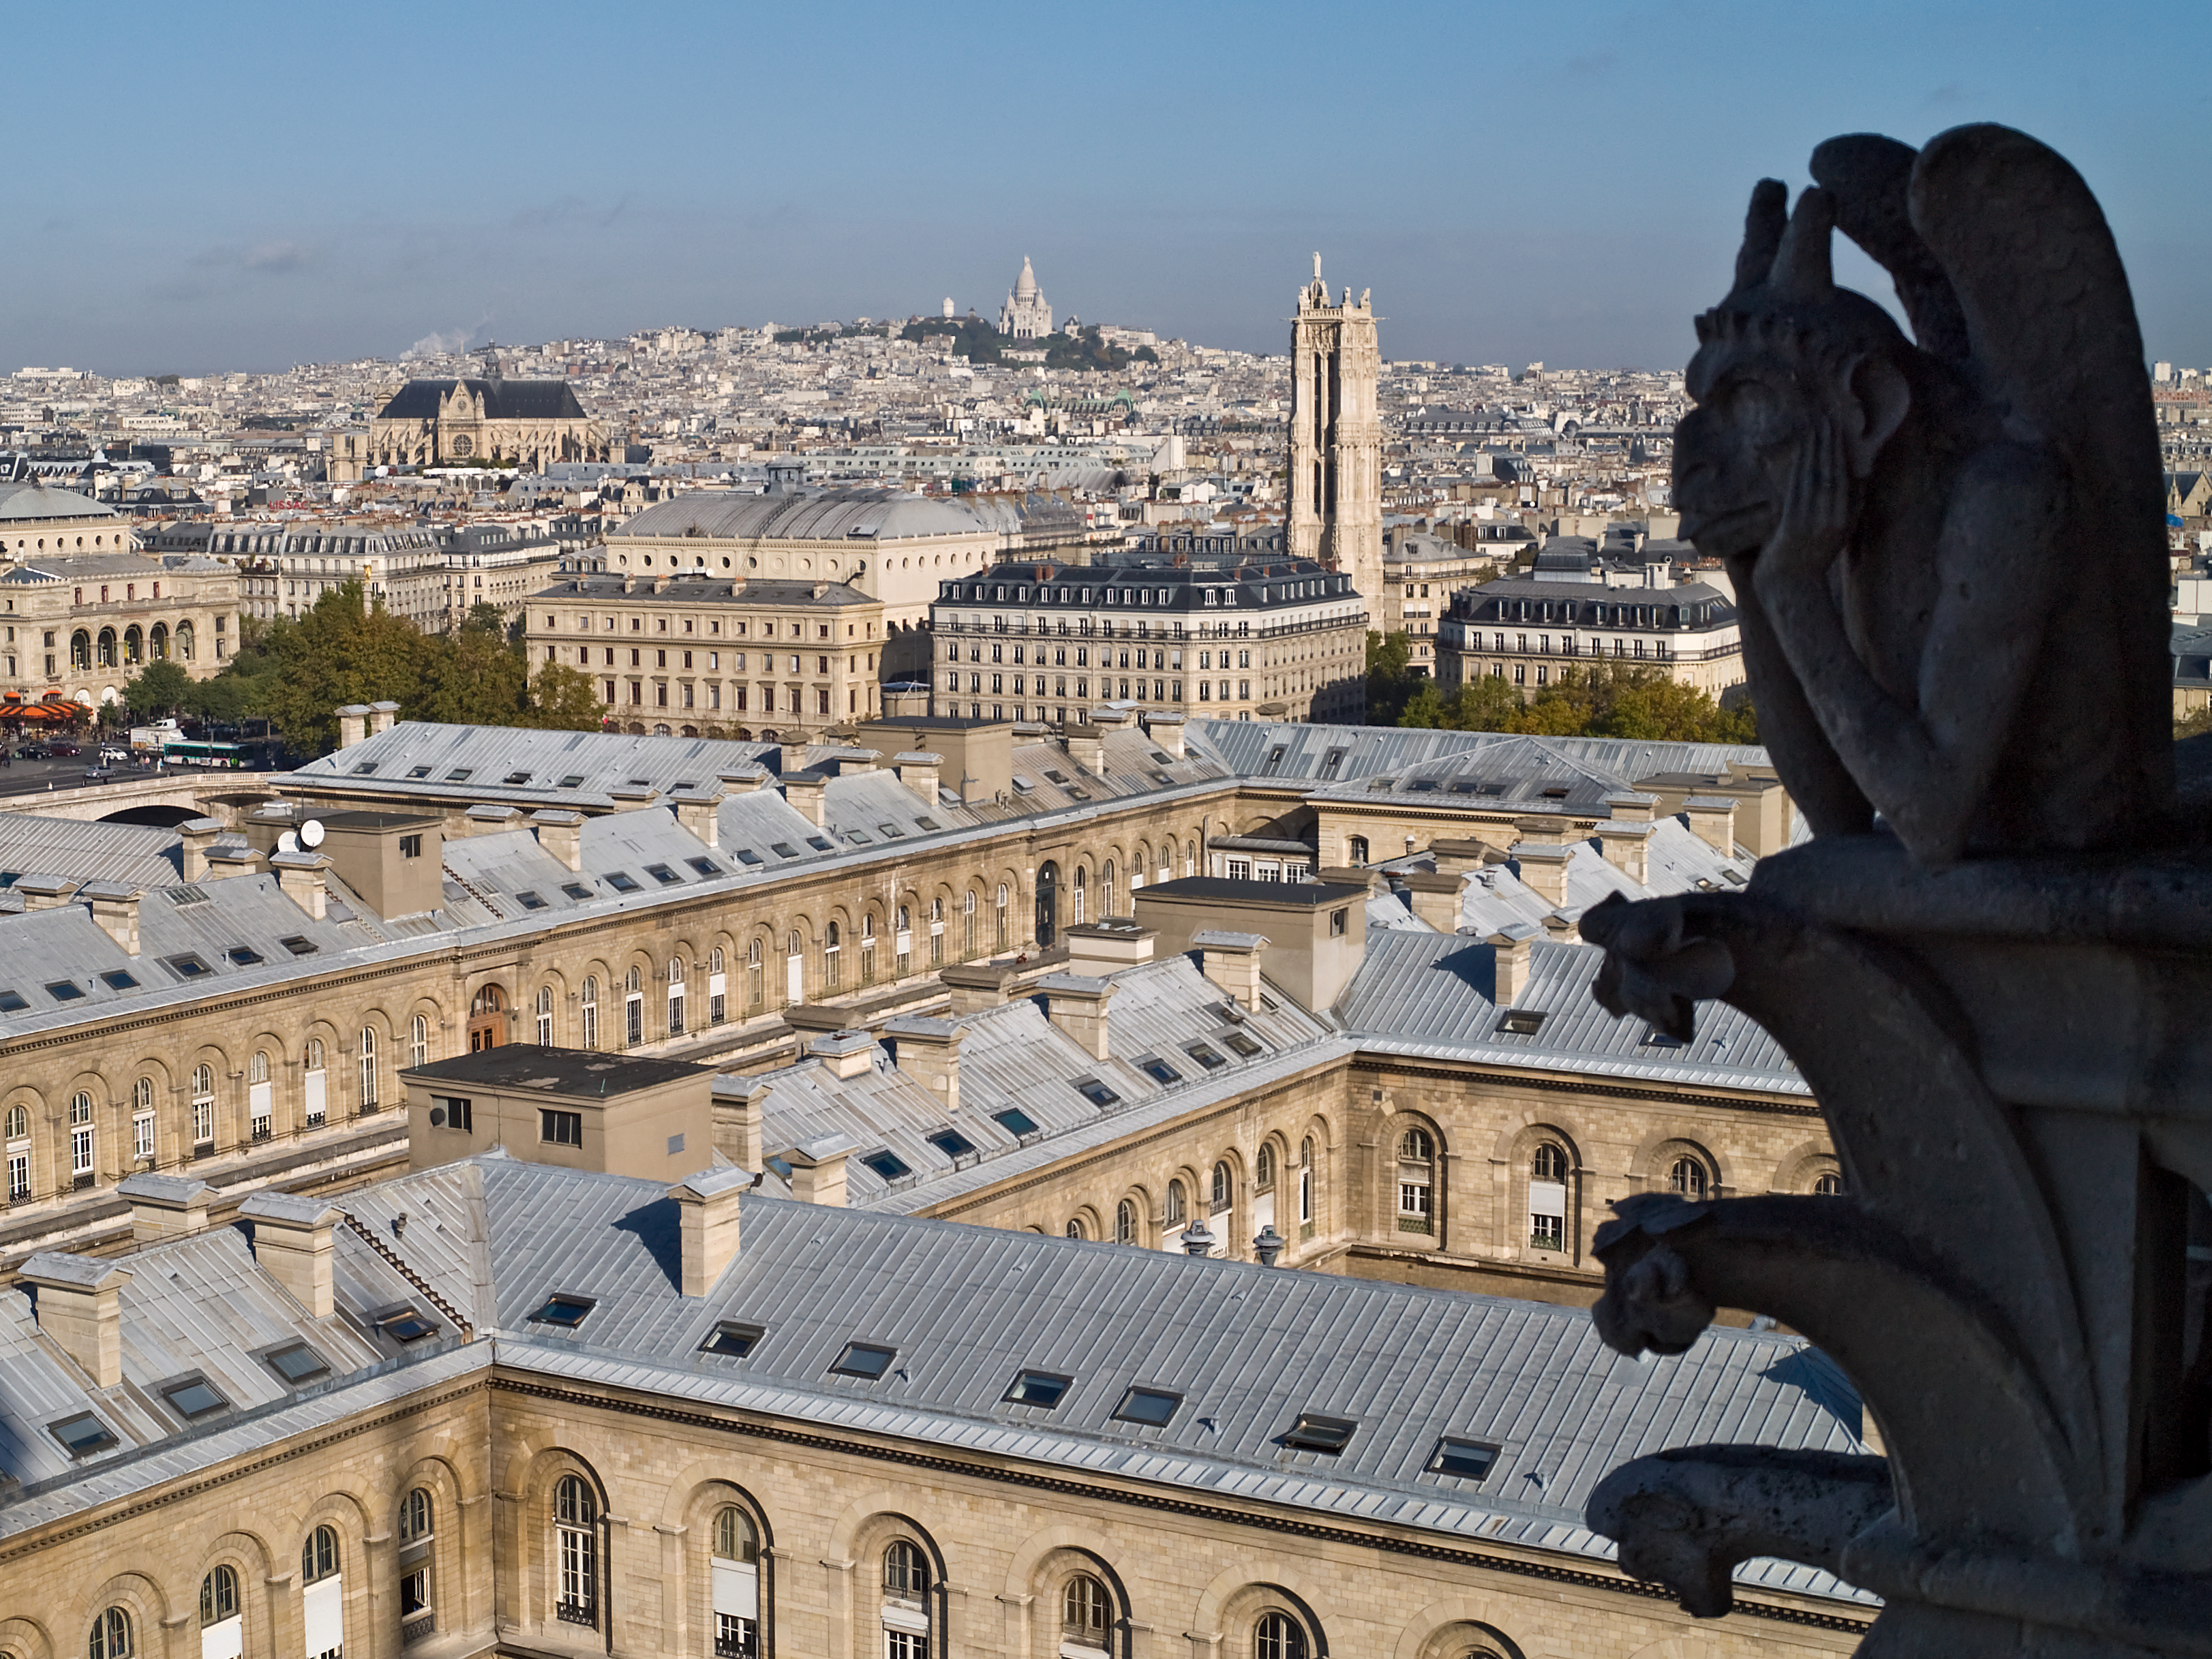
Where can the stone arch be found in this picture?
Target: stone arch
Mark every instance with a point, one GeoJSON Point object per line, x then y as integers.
{"type": "Point", "coordinates": [532, 1474]}
{"type": "Point", "coordinates": [1086, 1216]}
{"type": "Point", "coordinates": [861, 1533]}
{"type": "Point", "coordinates": [249, 1555]}
{"type": "Point", "coordinates": [1458, 1626]}
{"type": "Point", "coordinates": [1146, 1220]}
{"type": "Point", "coordinates": [1233, 1602]}
{"type": "Point", "coordinates": [1654, 1157]}
{"type": "Point", "coordinates": [138, 1594]}
{"type": "Point", "coordinates": [1039, 1568]}
{"type": "Point", "coordinates": [27, 1638]}
{"type": "Point", "coordinates": [1513, 1166]}
{"type": "Point", "coordinates": [1796, 1170]}
{"type": "Point", "coordinates": [690, 1503]}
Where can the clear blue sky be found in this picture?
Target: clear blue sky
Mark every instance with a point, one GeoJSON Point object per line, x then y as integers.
{"type": "Point", "coordinates": [244, 186]}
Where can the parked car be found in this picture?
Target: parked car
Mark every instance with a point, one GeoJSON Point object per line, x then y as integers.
{"type": "Point", "coordinates": [97, 774]}
{"type": "Point", "coordinates": [31, 751]}
{"type": "Point", "coordinates": [65, 751]}
{"type": "Point", "coordinates": [111, 755]}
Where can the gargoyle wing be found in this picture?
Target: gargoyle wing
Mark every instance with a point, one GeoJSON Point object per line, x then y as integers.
{"type": "Point", "coordinates": [1871, 179]}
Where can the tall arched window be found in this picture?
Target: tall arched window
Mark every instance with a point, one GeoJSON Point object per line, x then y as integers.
{"type": "Point", "coordinates": [633, 1008]}
{"type": "Point", "coordinates": [1125, 1223]}
{"type": "Point", "coordinates": [676, 996]}
{"type": "Point", "coordinates": [967, 924]}
{"type": "Point", "coordinates": [203, 1106]}
{"type": "Point", "coordinates": [368, 1068]}
{"type": "Point", "coordinates": [755, 977]}
{"type": "Point", "coordinates": [718, 986]}
{"type": "Point", "coordinates": [1417, 1174]}
{"type": "Point", "coordinates": [576, 1554]}
{"type": "Point", "coordinates": [416, 1581]}
{"type": "Point", "coordinates": [588, 1002]}
{"type": "Point", "coordinates": [1263, 1167]}
{"type": "Point", "coordinates": [111, 1631]}
{"type": "Point", "coordinates": [1190, 858]}
{"type": "Point", "coordinates": [1074, 1228]}
{"type": "Point", "coordinates": [1277, 1636]}
{"type": "Point", "coordinates": [1547, 1198]}
{"type": "Point", "coordinates": [794, 967]}
{"type": "Point", "coordinates": [1005, 930]}
{"type": "Point", "coordinates": [1106, 889]}
{"type": "Point", "coordinates": [314, 1085]}
{"type": "Point", "coordinates": [418, 1028]}
{"type": "Point", "coordinates": [906, 1602]}
{"type": "Point", "coordinates": [1357, 852]}
{"type": "Point", "coordinates": [1178, 1207]}
{"type": "Point", "coordinates": [937, 933]}
{"type": "Point", "coordinates": [544, 1016]}
{"type": "Point", "coordinates": [902, 943]}
{"type": "Point", "coordinates": [143, 1122]}
{"type": "Point", "coordinates": [1079, 902]}
{"type": "Point", "coordinates": [322, 1598]}
{"type": "Point", "coordinates": [218, 1598]}
{"type": "Point", "coordinates": [1084, 1613]}
{"type": "Point", "coordinates": [1223, 1188]}
{"type": "Point", "coordinates": [1688, 1178]}
{"type": "Point", "coordinates": [833, 956]}
{"type": "Point", "coordinates": [18, 1140]}
{"type": "Point", "coordinates": [260, 1096]}
{"type": "Point", "coordinates": [734, 1570]}
{"type": "Point", "coordinates": [867, 949]}
{"type": "Point", "coordinates": [104, 651]}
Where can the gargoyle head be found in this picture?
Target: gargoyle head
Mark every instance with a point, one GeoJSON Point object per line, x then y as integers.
{"type": "Point", "coordinates": [1787, 353]}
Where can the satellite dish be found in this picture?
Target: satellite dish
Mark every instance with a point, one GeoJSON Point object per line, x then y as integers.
{"type": "Point", "coordinates": [288, 842]}
{"type": "Point", "coordinates": [311, 834]}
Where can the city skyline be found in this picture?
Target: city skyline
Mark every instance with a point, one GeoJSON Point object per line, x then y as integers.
{"type": "Point", "coordinates": [1511, 188]}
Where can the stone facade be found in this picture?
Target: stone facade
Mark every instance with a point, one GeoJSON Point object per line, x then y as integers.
{"type": "Point", "coordinates": [1336, 437]}
{"type": "Point", "coordinates": [525, 423]}
{"type": "Point", "coordinates": [83, 626]}
{"type": "Point", "coordinates": [1026, 315]}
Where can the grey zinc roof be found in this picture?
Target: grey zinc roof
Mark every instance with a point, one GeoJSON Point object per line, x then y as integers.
{"type": "Point", "coordinates": [134, 852]}
{"type": "Point", "coordinates": [605, 761]}
{"type": "Point", "coordinates": [1425, 993]}
{"type": "Point", "coordinates": [809, 515]}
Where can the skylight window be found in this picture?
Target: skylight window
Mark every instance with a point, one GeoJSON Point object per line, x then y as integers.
{"type": "Point", "coordinates": [83, 1434]}
{"type": "Point", "coordinates": [888, 1164]}
{"type": "Point", "coordinates": [1316, 1433]}
{"type": "Point", "coordinates": [1044, 1389]}
{"type": "Point", "coordinates": [1056, 776]}
{"type": "Point", "coordinates": [516, 777]}
{"type": "Point", "coordinates": [1015, 1121]}
{"type": "Point", "coordinates": [299, 945]}
{"type": "Point", "coordinates": [951, 1142]}
{"type": "Point", "coordinates": [783, 849]}
{"type": "Point", "coordinates": [1521, 1022]}
{"type": "Point", "coordinates": [641, 783]}
{"type": "Point", "coordinates": [244, 955]}
{"type": "Point", "coordinates": [749, 858]}
{"type": "Point", "coordinates": [1095, 1091]}
{"type": "Point", "coordinates": [1379, 786]}
{"type": "Point", "coordinates": [364, 768]}
{"type": "Point", "coordinates": [573, 781]}
{"type": "Point", "coordinates": [566, 1311]}
{"type": "Point", "coordinates": [407, 1326]}
{"type": "Point", "coordinates": [11, 1002]}
{"type": "Point", "coordinates": [64, 990]}
{"type": "Point", "coordinates": [297, 1363]}
{"type": "Point", "coordinates": [860, 838]}
{"type": "Point", "coordinates": [1206, 1055]}
{"type": "Point", "coordinates": [419, 772]}
{"type": "Point", "coordinates": [576, 890]}
{"type": "Point", "coordinates": [194, 1398]}
{"type": "Point", "coordinates": [621, 881]}
{"type": "Point", "coordinates": [820, 844]}
{"type": "Point", "coordinates": [530, 901]}
{"type": "Point", "coordinates": [1655, 1038]}
{"type": "Point", "coordinates": [730, 1339]}
{"type": "Point", "coordinates": [928, 823]}
{"type": "Point", "coordinates": [663, 874]}
{"type": "Point", "coordinates": [460, 774]}
{"type": "Point", "coordinates": [1469, 1459]}
{"type": "Point", "coordinates": [705, 866]}
{"type": "Point", "coordinates": [1158, 1070]}
{"type": "Point", "coordinates": [891, 832]}
{"type": "Point", "coordinates": [863, 1360]}
{"type": "Point", "coordinates": [1237, 1042]}
{"type": "Point", "coordinates": [117, 980]}
{"type": "Point", "coordinates": [1150, 1406]}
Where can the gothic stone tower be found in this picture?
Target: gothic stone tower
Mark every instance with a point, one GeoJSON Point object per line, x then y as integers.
{"type": "Point", "coordinates": [1336, 438]}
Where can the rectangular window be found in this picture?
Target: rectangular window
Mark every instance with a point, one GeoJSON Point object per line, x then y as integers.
{"type": "Point", "coordinates": [452, 1112]}
{"type": "Point", "coordinates": [558, 1128]}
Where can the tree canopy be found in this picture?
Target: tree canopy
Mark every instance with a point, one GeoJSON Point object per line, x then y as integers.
{"type": "Point", "coordinates": [1608, 701]}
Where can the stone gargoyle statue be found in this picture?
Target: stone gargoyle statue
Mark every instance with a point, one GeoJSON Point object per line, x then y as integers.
{"type": "Point", "coordinates": [1992, 962]}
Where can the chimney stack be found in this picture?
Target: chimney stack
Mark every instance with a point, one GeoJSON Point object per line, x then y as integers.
{"type": "Point", "coordinates": [488, 818]}
{"type": "Point", "coordinates": [299, 875]}
{"type": "Point", "coordinates": [700, 811]}
{"type": "Point", "coordinates": [1077, 1005]}
{"type": "Point", "coordinates": [929, 1053]}
{"type": "Point", "coordinates": [164, 1206]}
{"type": "Point", "coordinates": [1510, 948]}
{"type": "Point", "coordinates": [80, 1310]}
{"type": "Point", "coordinates": [707, 1204]}
{"type": "Point", "coordinates": [1436, 898]}
{"type": "Point", "coordinates": [737, 1120]}
{"type": "Point", "coordinates": [817, 1171]}
{"type": "Point", "coordinates": [1166, 731]}
{"type": "Point", "coordinates": [227, 860]}
{"type": "Point", "coordinates": [353, 724]}
{"type": "Point", "coordinates": [1543, 855]}
{"type": "Point", "coordinates": [1106, 947]}
{"type": "Point", "coordinates": [381, 716]}
{"type": "Point", "coordinates": [919, 769]}
{"type": "Point", "coordinates": [115, 908]}
{"type": "Point", "coordinates": [197, 836]}
{"type": "Point", "coordinates": [44, 892]}
{"type": "Point", "coordinates": [1712, 820]}
{"type": "Point", "coordinates": [560, 833]}
{"type": "Point", "coordinates": [1627, 848]}
{"type": "Point", "coordinates": [845, 1054]}
{"type": "Point", "coordinates": [292, 1244]}
{"type": "Point", "coordinates": [976, 986]}
{"type": "Point", "coordinates": [1232, 962]}
{"type": "Point", "coordinates": [1086, 747]}
{"type": "Point", "coordinates": [743, 780]}
{"type": "Point", "coordinates": [805, 791]}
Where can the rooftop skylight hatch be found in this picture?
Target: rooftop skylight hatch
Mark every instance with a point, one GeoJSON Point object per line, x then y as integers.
{"type": "Point", "coordinates": [576, 890]}
{"type": "Point", "coordinates": [866, 1360]}
{"type": "Point", "coordinates": [1317, 1432]}
{"type": "Point", "coordinates": [1044, 1389]}
{"type": "Point", "coordinates": [733, 1339]}
{"type": "Point", "coordinates": [1468, 1460]}
{"type": "Point", "coordinates": [1151, 1408]}
{"type": "Point", "coordinates": [564, 1312]}
{"type": "Point", "coordinates": [1521, 1022]}
{"type": "Point", "coordinates": [1015, 1121]}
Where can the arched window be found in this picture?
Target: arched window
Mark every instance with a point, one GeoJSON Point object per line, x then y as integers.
{"type": "Point", "coordinates": [902, 942]}
{"type": "Point", "coordinates": [1190, 858]}
{"type": "Point", "coordinates": [19, 1123]}
{"type": "Point", "coordinates": [143, 1144]}
{"type": "Point", "coordinates": [1177, 1206]}
{"type": "Point", "coordinates": [1125, 1223]}
{"type": "Point", "coordinates": [905, 1604]}
{"type": "Point", "coordinates": [588, 1002]}
{"type": "Point", "coordinates": [676, 996]}
{"type": "Point", "coordinates": [81, 656]}
{"type": "Point", "coordinates": [794, 967]}
{"type": "Point", "coordinates": [1358, 849]}
{"type": "Point", "coordinates": [18, 1138]}
{"type": "Point", "coordinates": [544, 1016]}
{"type": "Point", "coordinates": [1084, 1612]}
{"type": "Point", "coordinates": [968, 923]}
{"type": "Point", "coordinates": [867, 949]}
{"type": "Point", "coordinates": [633, 1008]}
{"type": "Point", "coordinates": [218, 1596]}
{"type": "Point", "coordinates": [418, 1029]}
{"type": "Point", "coordinates": [1306, 1188]}
{"type": "Point", "coordinates": [111, 1634]}
{"type": "Point", "coordinates": [1277, 1636]}
{"type": "Point", "coordinates": [1263, 1168]}
{"type": "Point", "coordinates": [314, 1084]}
{"type": "Point", "coordinates": [1106, 889]}
{"type": "Point", "coordinates": [184, 641]}
{"type": "Point", "coordinates": [1828, 1184]}
{"type": "Point", "coordinates": [1075, 1227]}
{"type": "Point", "coordinates": [1687, 1178]}
{"type": "Point", "coordinates": [106, 648]}
{"type": "Point", "coordinates": [368, 1068]}
{"type": "Point", "coordinates": [576, 1555]}
{"type": "Point", "coordinates": [718, 986]}
{"type": "Point", "coordinates": [734, 1570]}
{"type": "Point", "coordinates": [319, 1556]}
{"type": "Point", "coordinates": [755, 979]}
{"type": "Point", "coordinates": [415, 1584]}
{"type": "Point", "coordinates": [937, 933]}
{"type": "Point", "coordinates": [833, 956]}
{"type": "Point", "coordinates": [260, 1096]}
{"type": "Point", "coordinates": [1547, 1198]}
{"type": "Point", "coordinates": [1417, 1171]}
{"type": "Point", "coordinates": [1081, 899]}
{"type": "Point", "coordinates": [1223, 1186]}
{"type": "Point", "coordinates": [1004, 929]}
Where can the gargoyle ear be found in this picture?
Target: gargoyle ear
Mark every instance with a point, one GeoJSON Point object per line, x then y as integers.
{"type": "Point", "coordinates": [1802, 269]}
{"type": "Point", "coordinates": [1880, 397]}
{"type": "Point", "coordinates": [1762, 232]}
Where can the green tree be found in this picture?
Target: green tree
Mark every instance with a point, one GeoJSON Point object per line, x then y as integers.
{"type": "Point", "coordinates": [564, 699]}
{"type": "Point", "coordinates": [1609, 700]}
{"type": "Point", "coordinates": [159, 689]}
{"type": "Point", "coordinates": [474, 677]}
{"type": "Point", "coordinates": [340, 653]}
{"type": "Point", "coordinates": [1390, 683]}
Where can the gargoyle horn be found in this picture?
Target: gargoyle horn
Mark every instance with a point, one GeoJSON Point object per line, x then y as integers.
{"type": "Point", "coordinates": [1762, 226]}
{"type": "Point", "coordinates": [1802, 267]}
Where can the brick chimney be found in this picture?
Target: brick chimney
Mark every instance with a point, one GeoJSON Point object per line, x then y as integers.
{"type": "Point", "coordinates": [196, 837]}
{"type": "Point", "coordinates": [1627, 848]}
{"type": "Point", "coordinates": [929, 1053]}
{"type": "Point", "coordinates": [1543, 855]}
{"type": "Point", "coordinates": [299, 875]}
{"type": "Point", "coordinates": [488, 818]}
{"type": "Point", "coordinates": [1712, 820]}
{"type": "Point", "coordinates": [1166, 731]}
{"type": "Point", "coordinates": [1232, 962]}
{"type": "Point", "coordinates": [1086, 747]}
{"type": "Point", "coordinates": [44, 892]}
{"type": "Point", "coordinates": [700, 811]}
{"type": "Point", "coordinates": [738, 1102]}
{"type": "Point", "coordinates": [292, 1244]}
{"type": "Point", "coordinates": [1107, 947]}
{"type": "Point", "coordinates": [706, 1207]}
{"type": "Point", "coordinates": [1511, 946]}
{"type": "Point", "coordinates": [80, 1310]}
{"type": "Point", "coordinates": [1077, 1005]}
{"type": "Point", "coordinates": [1435, 899]}
{"type": "Point", "coordinates": [115, 908]}
{"type": "Point", "coordinates": [817, 1171]}
{"type": "Point", "coordinates": [806, 791]}
{"type": "Point", "coordinates": [844, 1054]}
{"type": "Point", "coordinates": [919, 769]}
{"type": "Point", "coordinates": [229, 858]}
{"type": "Point", "coordinates": [561, 832]}
{"type": "Point", "coordinates": [743, 780]}
{"type": "Point", "coordinates": [382, 716]}
{"type": "Point", "coordinates": [353, 724]}
{"type": "Point", "coordinates": [164, 1206]}
{"type": "Point", "coordinates": [976, 986]}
